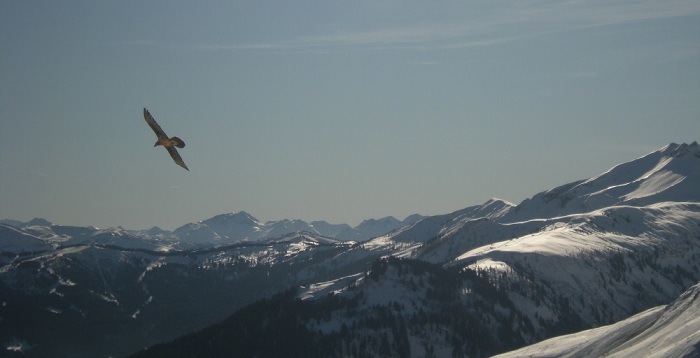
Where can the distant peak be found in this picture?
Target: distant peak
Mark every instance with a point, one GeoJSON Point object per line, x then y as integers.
{"type": "Point", "coordinates": [243, 214]}
{"type": "Point", "coordinates": [38, 222]}
{"type": "Point", "coordinates": [413, 218]}
{"type": "Point", "coordinates": [382, 220]}
{"type": "Point", "coordinates": [239, 216]}
{"type": "Point", "coordinates": [679, 150]}
{"type": "Point", "coordinates": [156, 231]}
{"type": "Point", "coordinates": [497, 201]}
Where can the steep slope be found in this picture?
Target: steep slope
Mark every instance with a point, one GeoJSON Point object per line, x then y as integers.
{"type": "Point", "coordinates": [17, 242]}
{"type": "Point", "coordinates": [664, 331]}
{"type": "Point", "coordinates": [398, 308]}
{"type": "Point", "coordinates": [671, 173]}
{"type": "Point", "coordinates": [675, 334]}
{"type": "Point", "coordinates": [607, 264]}
{"type": "Point", "coordinates": [431, 227]}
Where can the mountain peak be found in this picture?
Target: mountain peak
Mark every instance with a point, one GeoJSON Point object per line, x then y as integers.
{"type": "Point", "coordinates": [155, 231]}
{"type": "Point", "coordinates": [671, 173]}
{"type": "Point", "coordinates": [388, 219]}
{"type": "Point", "coordinates": [38, 222]}
{"type": "Point", "coordinates": [678, 150]}
{"type": "Point", "coordinates": [413, 218]}
{"type": "Point", "coordinates": [239, 218]}
{"type": "Point", "coordinates": [496, 206]}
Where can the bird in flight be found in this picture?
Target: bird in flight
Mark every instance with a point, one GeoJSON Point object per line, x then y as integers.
{"type": "Point", "coordinates": [168, 143]}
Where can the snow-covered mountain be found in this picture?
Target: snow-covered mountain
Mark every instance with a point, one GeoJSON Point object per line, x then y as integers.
{"type": "Point", "coordinates": [479, 281]}
{"type": "Point", "coordinates": [668, 174]}
{"type": "Point", "coordinates": [375, 227]}
{"type": "Point", "coordinates": [665, 331]}
{"type": "Point", "coordinates": [17, 242]}
{"type": "Point", "coordinates": [223, 229]}
{"type": "Point", "coordinates": [241, 226]}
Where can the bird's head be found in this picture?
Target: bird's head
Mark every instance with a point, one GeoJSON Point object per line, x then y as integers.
{"type": "Point", "coordinates": [155, 145]}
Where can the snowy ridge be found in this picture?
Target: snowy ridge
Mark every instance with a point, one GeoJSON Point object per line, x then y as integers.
{"type": "Point", "coordinates": [640, 257]}
{"type": "Point", "coordinates": [664, 331]}
{"type": "Point", "coordinates": [669, 174]}
{"type": "Point", "coordinates": [241, 226]}
{"type": "Point", "coordinates": [220, 230]}
{"type": "Point", "coordinates": [431, 227]}
{"type": "Point", "coordinates": [15, 241]}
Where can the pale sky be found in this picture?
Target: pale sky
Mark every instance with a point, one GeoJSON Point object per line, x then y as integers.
{"type": "Point", "coordinates": [330, 110]}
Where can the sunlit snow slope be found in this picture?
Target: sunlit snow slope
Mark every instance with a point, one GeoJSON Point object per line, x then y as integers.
{"type": "Point", "coordinates": [665, 331]}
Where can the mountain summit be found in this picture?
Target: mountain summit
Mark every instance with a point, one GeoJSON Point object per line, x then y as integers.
{"type": "Point", "coordinates": [671, 173]}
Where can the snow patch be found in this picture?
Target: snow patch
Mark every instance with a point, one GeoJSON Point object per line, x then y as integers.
{"type": "Point", "coordinates": [18, 345]}
{"type": "Point", "coordinates": [322, 289]}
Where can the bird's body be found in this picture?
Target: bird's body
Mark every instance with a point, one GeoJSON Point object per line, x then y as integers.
{"type": "Point", "coordinates": [163, 140]}
{"type": "Point", "coordinates": [170, 142]}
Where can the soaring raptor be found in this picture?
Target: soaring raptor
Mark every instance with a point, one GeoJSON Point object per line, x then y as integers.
{"type": "Point", "coordinates": [168, 143]}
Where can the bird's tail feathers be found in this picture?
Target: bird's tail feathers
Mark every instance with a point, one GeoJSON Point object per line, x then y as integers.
{"type": "Point", "coordinates": [179, 143]}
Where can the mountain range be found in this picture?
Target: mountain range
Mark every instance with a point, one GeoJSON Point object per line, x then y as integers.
{"type": "Point", "coordinates": [219, 230]}
{"type": "Point", "coordinates": [621, 248]}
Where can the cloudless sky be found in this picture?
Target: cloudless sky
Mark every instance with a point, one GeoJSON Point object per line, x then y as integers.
{"type": "Point", "coordinates": [330, 110]}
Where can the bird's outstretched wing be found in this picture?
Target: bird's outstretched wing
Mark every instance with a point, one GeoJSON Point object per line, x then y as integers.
{"type": "Point", "coordinates": [156, 128]}
{"type": "Point", "coordinates": [176, 157]}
